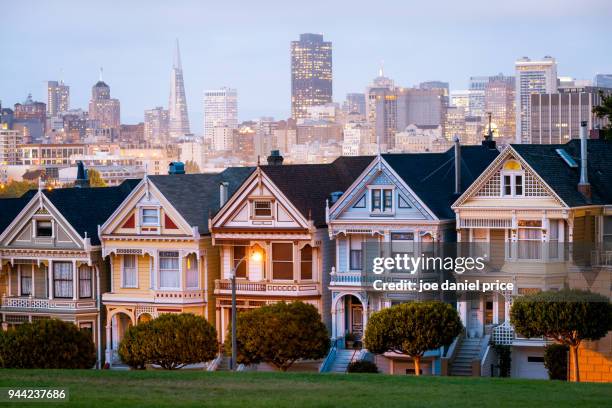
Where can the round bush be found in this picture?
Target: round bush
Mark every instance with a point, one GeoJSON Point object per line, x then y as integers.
{"type": "Point", "coordinates": [362, 366]}
{"type": "Point", "coordinates": [49, 343]}
{"type": "Point", "coordinates": [555, 361]}
{"type": "Point", "coordinates": [171, 341]}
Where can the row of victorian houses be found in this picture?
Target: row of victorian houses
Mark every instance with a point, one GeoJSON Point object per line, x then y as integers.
{"type": "Point", "coordinates": [108, 258]}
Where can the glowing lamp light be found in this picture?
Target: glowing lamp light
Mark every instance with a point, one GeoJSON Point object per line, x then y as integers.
{"type": "Point", "coordinates": [256, 256]}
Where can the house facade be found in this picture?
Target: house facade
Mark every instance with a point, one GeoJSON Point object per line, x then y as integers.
{"type": "Point", "coordinates": [51, 263]}
{"type": "Point", "coordinates": [272, 235]}
{"type": "Point", "coordinates": [160, 250]}
{"type": "Point", "coordinates": [399, 203]}
{"type": "Point", "coordinates": [543, 229]}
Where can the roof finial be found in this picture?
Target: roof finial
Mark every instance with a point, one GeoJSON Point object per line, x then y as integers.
{"type": "Point", "coordinates": [258, 160]}
{"type": "Point", "coordinates": [101, 70]}
{"type": "Point", "coordinates": [177, 56]}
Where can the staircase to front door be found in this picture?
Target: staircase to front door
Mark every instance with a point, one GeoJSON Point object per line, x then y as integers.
{"type": "Point", "coordinates": [342, 360]}
{"type": "Point", "coordinates": [468, 351]}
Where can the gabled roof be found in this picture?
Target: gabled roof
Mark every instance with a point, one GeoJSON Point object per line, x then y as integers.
{"type": "Point", "coordinates": [563, 179]}
{"type": "Point", "coordinates": [196, 196]}
{"type": "Point", "coordinates": [83, 208]}
{"type": "Point", "coordinates": [432, 175]}
{"type": "Point", "coordinates": [308, 186]}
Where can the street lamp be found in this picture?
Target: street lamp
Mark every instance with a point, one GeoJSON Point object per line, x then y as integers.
{"type": "Point", "coordinates": [256, 257]}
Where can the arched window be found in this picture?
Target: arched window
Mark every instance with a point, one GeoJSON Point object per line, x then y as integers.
{"type": "Point", "coordinates": [306, 263]}
{"type": "Point", "coordinates": [512, 179]}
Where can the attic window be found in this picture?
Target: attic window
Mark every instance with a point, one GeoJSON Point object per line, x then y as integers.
{"type": "Point", "coordinates": [150, 216]}
{"type": "Point", "coordinates": [262, 208]}
{"type": "Point", "coordinates": [44, 228]}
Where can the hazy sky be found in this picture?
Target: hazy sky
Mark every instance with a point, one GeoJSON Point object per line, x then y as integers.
{"type": "Point", "coordinates": [245, 45]}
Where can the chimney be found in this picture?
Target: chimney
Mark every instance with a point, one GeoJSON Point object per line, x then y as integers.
{"type": "Point", "coordinates": [583, 186]}
{"type": "Point", "coordinates": [223, 188]}
{"type": "Point", "coordinates": [275, 158]}
{"type": "Point", "coordinates": [457, 165]}
{"type": "Point", "coordinates": [82, 180]}
{"type": "Point", "coordinates": [176, 168]}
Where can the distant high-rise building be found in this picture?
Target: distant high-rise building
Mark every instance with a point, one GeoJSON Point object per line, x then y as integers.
{"type": "Point", "coordinates": [177, 106]}
{"type": "Point", "coordinates": [58, 97]}
{"type": "Point", "coordinates": [104, 109]}
{"type": "Point", "coordinates": [477, 94]}
{"type": "Point", "coordinates": [381, 111]}
{"type": "Point", "coordinates": [30, 118]}
{"type": "Point", "coordinates": [460, 99]}
{"type": "Point", "coordinates": [421, 107]}
{"type": "Point", "coordinates": [311, 73]}
{"type": "Point", "coordinates": [355, 102]}
{"type": "Point", "coordinates": [532, 77]}
{"type": "Point", "coordinates": [603, 80]}
{"type": "Point", "coordinates": [132, 135]}
{"type": "Point", "coordinates": [435, 85]}
{"type": "Point", "coordinates": [156, 126]}
{"type": "Point", "coordinates": [9, 146]}
{"type": "Point", "coordinates": [220, 110]}
{"type": "Point", "coordinates": [556, 117]}
{"type": "Point", "coordinates": [499, 102]}
{"type": "Point", "coordinates": [454, 124]}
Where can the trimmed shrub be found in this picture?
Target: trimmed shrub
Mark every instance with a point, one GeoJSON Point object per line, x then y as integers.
{"type": "Point", "coordinates": [280, 334]}
{"type": "Point", "coordinates": [504, 353]}
{"type": "Point", "coordinates": [49, 343]}
{"type": "Point", "coordinates": [555, 361]}
{"type": "Point", "coordinates": [171, 341]}
{"type": "Point", "coordinates": [362, 366]}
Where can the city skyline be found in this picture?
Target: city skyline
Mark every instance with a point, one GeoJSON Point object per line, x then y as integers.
{"type": "Point", "coordinates": [137, 63]}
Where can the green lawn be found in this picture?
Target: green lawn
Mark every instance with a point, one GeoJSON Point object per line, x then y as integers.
{"type": "Point", "coordinates": [225, 389]}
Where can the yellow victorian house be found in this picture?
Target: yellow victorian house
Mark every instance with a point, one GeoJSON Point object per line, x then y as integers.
{"type": "Point", "coordinates": [160, 251]}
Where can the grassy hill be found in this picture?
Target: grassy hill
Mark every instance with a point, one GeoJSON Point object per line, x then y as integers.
{"type": "Point", "coordinates": [225, 389]}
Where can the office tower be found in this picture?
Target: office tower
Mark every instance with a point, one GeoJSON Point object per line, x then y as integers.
{"type": "Point", "coordinates": [454, 124]}
{"type": "Point", "coordinates": [220, 110]}
{"type": "Point", "coordinates": [499, 102]}
{"type": "Point", "coordinates": [420, 107]}
{"type": "Point", "coordinates": [156, 126]}
{"type": "Point", "coordinates": [435, 85]}
{"type": "Point", "coordinates": [30, 109]}
{"type": "Point", "coordinates": [477, 94]}
{"type": "Point", "coordinates": [603, 80]}
{"type": "Point", "coordinates": [104, 109]}
{"type": "Point", "coordinates": [58, 97]}
{"type": "Point", "coordinates": [532, 77]}
{"type": "Point", "coordinates": [30, 117]}
{"type": "Point", "coordinates": [355, 102]}
{"type": "Point", "coordinates": [311, 73]}
{"type": "Point", "coordinates": [132, 135]}
{"type": "Point", "coordinates": [9, 146]}
{"type": "Point", "coordinates": [178, 124]}
{"type": "Point", "coordinates": [556, 117]}
{"type": "Point", "coordinates": [460, 99]}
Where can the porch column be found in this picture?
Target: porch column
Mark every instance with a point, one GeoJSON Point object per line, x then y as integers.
{"type": "Point", "coordinates": [496, 308]}
{"type": "Point", "coordinates": [50, 278]}
{"type": "Point", "coordinates": [334, 324]}
{"type": "Point", "coordinates": [109, 341]}
{"type": "Point", "coordinates": [10, 285]}
{"type": "Point", "coordinates": [506, 309]}
{"type": "Point", "coordinates": [75, 280]}
{"type": "Point", "coordinates": [19, 280]}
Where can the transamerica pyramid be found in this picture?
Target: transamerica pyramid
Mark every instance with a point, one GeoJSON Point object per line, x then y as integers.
{"type": "Point", "coordinates": [177, 106]}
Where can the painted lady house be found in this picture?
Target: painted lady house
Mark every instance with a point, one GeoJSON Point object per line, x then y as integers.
{"type": "Point", "coordinates": [51, 258]}
{"type": "Point", "coordinates": [399, 203]}
{"type": "Point", "coordinates": [160, 251]}
{"type": "Point", "coordinates": [279, 214]}
{"type": "Point", "coordinates": [543, 213]}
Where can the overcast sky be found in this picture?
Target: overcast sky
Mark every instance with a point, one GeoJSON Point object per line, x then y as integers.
{"type": "Point", "coordinates": [245, 45]}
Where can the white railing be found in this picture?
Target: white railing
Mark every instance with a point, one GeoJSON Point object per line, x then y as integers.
{"type": "Point", "coordinates": [37, 303]}
{"type": "Point", "coordinates": [174, 296]}
{"type": "Point", "coordinates": [297, 289]}
{"type": "Point", "coordinates": [504, 334]}
{"type": "Point", "coordinates": [348, 278]}
{"type": "Point", "coordinates": [601, 257]}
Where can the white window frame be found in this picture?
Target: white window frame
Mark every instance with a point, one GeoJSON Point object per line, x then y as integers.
{"type": "Point", "coordinates": [382, 210]}
{"type": "Point", "coordinates": [123, 271]}
{"type": "Point", "coordinates": [188, 270]}
{"type": "Point", "coordinates": [293, 259]}
{"type": "Point", "coordinates": [254, 208]}
{"type": "Point", "coordinates": [35, 228]}
{"type": "Point", "coordinates": [142, 216]}
{"type": "Point", "coordinates": [179, 271]}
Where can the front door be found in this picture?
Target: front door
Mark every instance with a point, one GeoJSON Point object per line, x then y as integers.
{"type": "Point", "coordinates": [357, 320]}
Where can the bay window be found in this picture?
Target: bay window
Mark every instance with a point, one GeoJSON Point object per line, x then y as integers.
{"type": "Point", "coordinates": [26, 280]}
{"type": "Point", "coordinates": [130, 271]}
{"type": "Point", "coordinates": [84, 281]}
{"type": "Point", "coordinates": [239, 253]}
{"type": "Point", "coordinates": [282, 261]}
{"type": "Point", "coordinates": [62, 280]}
{"type": "Point", "coordinates": [355, 253]}
{"type": "Point", "coordinates": [306, 263]}
{"type": "Point", "coordinates": [192, 271]}
{"type": "Point", "coordinates": [169, 272]}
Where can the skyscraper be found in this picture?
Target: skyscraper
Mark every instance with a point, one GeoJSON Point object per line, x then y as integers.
{"type": "Point", "coordinates": [532, 77]}
{"type": "Point", "coordinates": [104, 109]}
{"type": "Point", "coordinates": [311, 73]}
{"type": "Point", "coordinates": [156, 126]}
{"type": "Point", "coordinates": [220, 110]}
{"type": "Point", "coordinates": [603, 80]}
{"type": "Point", "coordinates": [381, 111]}
{"type": "Point", "coordinates": [355, 102]}
{"type": "Point", "coordinates": [58, 97]}
{"type": "Point", "coordinates": [499, 102]}
{"type": "Point", "coordinates": [177, 106]}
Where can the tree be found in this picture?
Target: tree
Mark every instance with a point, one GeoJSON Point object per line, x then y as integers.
{"type": "Point", "coordinates": [191, 167]}
{"type": "Point", "coordinates": [555, 361]}
{"type": "Point", "coordinates": [171, 341]}
{"type": "Point", "coordinates": [568, 316]}
{"type": "Point", "coordinates": [95, 178]}
{"type": "Point", "coordinates": [412, 329]}
{"type": "Point", "coordinates": [605, 111]}
{"type": "Point", "coordinates": [49, 343]}
{"type": "Point", "coordinates": [280, 334]}
{"type": "Point", "coordinates": [16, 189]}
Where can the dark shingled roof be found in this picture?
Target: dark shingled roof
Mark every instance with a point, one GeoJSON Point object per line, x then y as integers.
{"type": "Point", "coordinates": [432, 175]}
{"type": "Point", "coordinates": [308, 186]}
{"type": "Point", "coordinates": [83, 208]}
{"type": "Point", "coordinates": [563, 179]}
{"type": "Point", "coordinates": [195, 196]}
